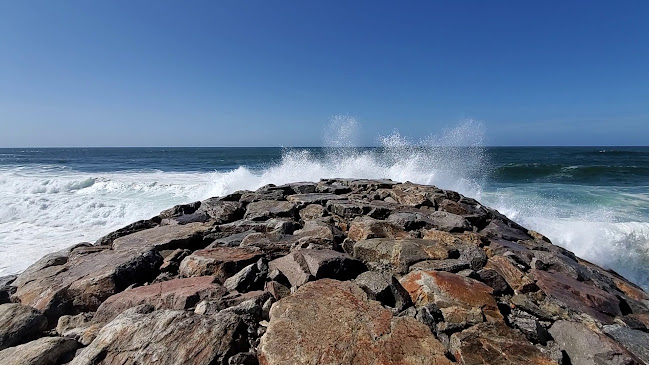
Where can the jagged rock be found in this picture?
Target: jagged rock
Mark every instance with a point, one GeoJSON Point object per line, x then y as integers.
{"type": "Point", "coordinates": [584, 346]}
{"type": "Point", "coordinates": [514, 276]}
{"type": "Point", "coordinates": [251, 277]}
{"type": "Point", "coordinates": [636, 342]}
{"type": "Point", "coordinates": [44, 351]}
{"type": "Point", "coordinates": [497, 344]}
{"type": "Point", "coordinates": [222, 211]}
{"type": "Point", "coordinates": [450, 290]}
{"type": "Point", "coordinates": [266, 209]}
{"type": "Point", "coordinates": [400, 253]}
{"type": "Point", "coordinates": [81, 327]}
{"type": "Point", "coordinates": [172, 294]}
{"type": "Point", "coordinates": [230, 240]}
{"type": "Point", "coordinates": [19, 324]}
{"type": "Point", "coordinates": [301, 266]}
{"type": "Point", "coordinates": [172, 261]}
{"type": "Point", "coordinates": [299, 330]}
{"type": "Point", "coordinates": [384, 288]}
{"type": "Point", "coordinates": [166, 337]}
{"type": "Point", "coordinates": [501, 229]}
{"type": "Point", "coordinates": [529, 326]}
{"type": "Point", "coordinates": [524, 302]}
{"type": "Point", "coordinates": [578, 296]}
{"type": "Point", "coordinates": [277, 290]}
{"type": "Point", "coordinates": [221, 262]}
{"type": "Point", "coordinates": [178, 210]}
{"type": "Point", "coordinates": [494, 280]}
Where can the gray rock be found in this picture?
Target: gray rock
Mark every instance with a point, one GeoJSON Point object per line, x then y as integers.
{"type": "Point", "coordinates": [301, 266]}
{"type": "Point", "coordinates": [385, 288]}
{"type": "Point", "coordinates": [44, 351]}
{"type": "Point", "coordinates": [222, 211]}
{"type": "Point", "coordinates": [587, 347]}
{"type": "Point", "coordinates": [529, 326]}
{"type": "Point", "coordinates": [450, 265]}
{"type": "Point", "coordinates": [251, 277]}
{"type": "Point", "coordinates": [19, 324]}
{"type": "Point", "coordinates": [230, 240]}
{"type": "Point", "coordinates": [266, 209]}
{"type": "Point", "coordinates": [637, 342]}
{"type": "Point", "coordinates": [166, 337]}
{"type": "Point", "coordinates": [449, 222]}
{"type": "Point", "coordinates": [131, 228]}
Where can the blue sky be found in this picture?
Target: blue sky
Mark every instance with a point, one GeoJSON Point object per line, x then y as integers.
{"type": "Point", "coordinates": [251, 73]}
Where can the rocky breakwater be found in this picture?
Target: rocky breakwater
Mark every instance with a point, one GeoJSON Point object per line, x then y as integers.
{"type": "Point", "coordinates": [336, 272]}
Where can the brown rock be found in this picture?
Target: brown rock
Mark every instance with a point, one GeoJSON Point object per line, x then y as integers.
{"type": "Point", "coordinates": [172, 294]}
{"type": "Point", "coordinates": [44, 351]}
{"type": "Point", "coordinates": [578, 296]}
{"type": "Point", "coordinates": [514, 276]}
{"type": "Point", "coordinates": [166, 337]}
{"type": "Point", "coordinates": [221, 262]}
{"type": "Point", "coordinates": [313, 198]}
{"type": "Point", "coordinates": [447, 290]}
{"type": "Point", "coordinates": [363, 228]}
{"type": "Point", "coordinates": [400, 253]}
{"type": "Point", "coordinates": [312, 211]}
{"type": "Point", "coordinates": [19, 324]}
{"type": "Point", "coordinates": [164, 238]}
{"type": "Point", "coordinates": [301, 266]}
{"type": "Point", "coordinates": [301, 331]}
{"type": "Point", "coordinates": [495, 343]}
{"type": "Point", "coordinates": [222, 211]}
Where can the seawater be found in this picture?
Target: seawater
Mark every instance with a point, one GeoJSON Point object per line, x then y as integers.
{"type": "Point", "coordinates": [591, 200]}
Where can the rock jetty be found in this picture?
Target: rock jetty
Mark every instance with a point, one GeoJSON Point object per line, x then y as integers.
{"type": "Point", "coordinates": [341, 271]}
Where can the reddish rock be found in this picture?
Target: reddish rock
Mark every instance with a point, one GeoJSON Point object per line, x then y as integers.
{"type": "Point", "coordinates": [497, 344]}
{"type": "Point", "coordinates": [514, 276]}
{"type": "Point", "coordinates": [221, 262]}
{"type": "Point", "coordinates": [448, 290]}
{"type": "Point", "coordinates": [578, 296]}
{"type": "Point", "coordinates": [333, 322]}
{"type": "Point", "coordinates": [171, 294]}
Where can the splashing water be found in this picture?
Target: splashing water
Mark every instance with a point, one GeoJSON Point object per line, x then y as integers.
{"type": "Point", "coordinates": [46, 207]}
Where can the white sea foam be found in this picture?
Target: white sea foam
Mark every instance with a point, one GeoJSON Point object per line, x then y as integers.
{"type": "Point", "coordinates": [43, 209]}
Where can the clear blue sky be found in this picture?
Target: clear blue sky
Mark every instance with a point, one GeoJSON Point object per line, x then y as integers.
{"type": "Point", "coordinates": [230, 73]}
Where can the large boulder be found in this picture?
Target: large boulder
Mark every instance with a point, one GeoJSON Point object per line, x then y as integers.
{"type": "Point", "coordinates": [301, 331]}
{"type": "Point", "coordinates": [301, 266]}
{"type": "Point", "coordinates": [165, 237]}
{"type": "Point", "coordinates": [166, 337]}
{"type": "Point", "coordinates": [19, 324]}
{"type": "Point", "coordinates": [399, 253]}
{"type": "Point", "coordinates": [178, 294]}
{"type": "Point", "coordinates": [585, 346]}
{"type": "Point", "coordinates": [85, 278]}
{"type": "Point", "coordinates": [44, 351]}
{"type": "Point", "coordinates": [495, 344]}
{"type": "Point", "coordinates": [266, 209]}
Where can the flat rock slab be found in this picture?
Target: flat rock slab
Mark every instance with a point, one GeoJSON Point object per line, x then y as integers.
{"type": "Point", "coordinates": [400, 253]}
{"type": "Point", "coordinates": [333, 322]}
{"type": "Point", "coordinates": [497, 344]}
{"type": "Point", "coordinates": [44, 351]}
{"type": "Point", "coordinates": [267, 209]}
{"type": "Point", "coordinates": [450, 290]}
{"type": "Point", "coordinates": [313, 198]}
{"type": "Point", "coordinates": [637, 342]}
{"type": "Point", "coordinates": [172, 294]}
{"type": "Point", "coordinates": [166, 337]}
{"type": "Point", "coordinates": [578, 296]}
{"type": "Point", "coordinates": [19, 324]}
{"type": "Point", "coordinates": [221, 262]}
{"type": "Point", "coordinates": [164, 237]}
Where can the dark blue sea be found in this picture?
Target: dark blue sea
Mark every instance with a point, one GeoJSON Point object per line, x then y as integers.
{"type": "Point", "coordinates": [591, 200]}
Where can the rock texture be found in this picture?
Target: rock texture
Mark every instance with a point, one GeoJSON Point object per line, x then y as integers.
{"type": "Point", "coordinates": [340, 271]}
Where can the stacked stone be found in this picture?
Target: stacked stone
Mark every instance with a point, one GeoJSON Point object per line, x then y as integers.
{"type": "Point", "coordinates": [343, 271]}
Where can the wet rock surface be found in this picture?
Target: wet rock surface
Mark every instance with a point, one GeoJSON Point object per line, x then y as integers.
{"type": "Point", "coordinates": [340, 271]}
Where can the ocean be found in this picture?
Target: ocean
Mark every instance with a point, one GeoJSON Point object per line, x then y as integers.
{"type": "Point", "coordinates": [593, 201]}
